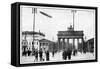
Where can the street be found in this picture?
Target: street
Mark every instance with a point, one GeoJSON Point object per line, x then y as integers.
{"type": "Point", "coordinates": [58, 57]}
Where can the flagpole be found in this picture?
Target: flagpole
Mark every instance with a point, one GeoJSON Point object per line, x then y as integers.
{"type": "Point", "coordinates": [33, 12]}
{"type": "Point", "coordinates": [73, 19]}
{"type": "Point", "coordinates": [73, 11]}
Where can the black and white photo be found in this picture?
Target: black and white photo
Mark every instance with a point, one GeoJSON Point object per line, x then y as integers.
{"type": "Point", "coordinates": [56, 34]}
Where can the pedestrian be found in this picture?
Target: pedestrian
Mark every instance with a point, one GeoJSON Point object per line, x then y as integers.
{"type": "Point", "coordinates": [75, 52]}
{"type": "Point", "coordinates": [47, 55]}
{"type": "Point", "coordinates": [24, 53]}
{"type": "Point", "coordinates": [68, 54]}
{"type": "Point", "coordinates": [53, 53]}
{"type": "Point", "coordinates": [24, 49]}
{"type": "Point", "coordinates": [36, 55]}
{"type": "Point", "coordinates": [41, 55]}
{"type": "Point", "coordinates": [64, 55]}
{"type": "Point", "coordinates": [44, 56]}
{"type": "Point", "coordinates": [29, 52]}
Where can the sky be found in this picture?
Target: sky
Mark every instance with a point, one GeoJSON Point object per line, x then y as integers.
{"type": "Point", "coordinates": [61, 19]}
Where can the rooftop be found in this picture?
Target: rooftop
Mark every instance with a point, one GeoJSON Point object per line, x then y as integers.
{"type": "Point", "coordinates": [91, 40]}
{"type": "Point", "coordinates": [32, 33]}
{"type": "Point", "coordinates": [70, 33]}
{"type": "Point", "coordinates": [46, 40]}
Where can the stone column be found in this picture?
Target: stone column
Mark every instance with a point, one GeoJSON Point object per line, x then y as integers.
{"type": "Point", "coordinates": [82, 44]}
{"type": "Point", "coordinates": [77, 44]}
{"type": "Point", "coordinates": [63, 44]}
{"type": "Point", "coordinates": [74, 44]}
{"type": "Point", "coordinates": [58, 44]}
{"type": "Point", "coordinates": [67, 42]}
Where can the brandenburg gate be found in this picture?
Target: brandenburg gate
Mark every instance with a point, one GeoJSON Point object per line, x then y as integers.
{"type": "Point", "coordinates": [64, 36]}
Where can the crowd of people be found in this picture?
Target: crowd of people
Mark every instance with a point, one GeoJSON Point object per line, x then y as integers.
{"type": "Point", "coordinates": [26, 52]}
{"type": "Point", "coordinates": [67, 54]}
{"type": "Point", "coordinates": [45, 55]}
{"type": "Point", "coordinates": [39, 55]}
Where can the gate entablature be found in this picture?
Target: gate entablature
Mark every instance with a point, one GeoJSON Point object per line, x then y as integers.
{"type": "Point", "coordinates": [70, 34]}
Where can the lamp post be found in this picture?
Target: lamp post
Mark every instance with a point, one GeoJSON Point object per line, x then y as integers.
{"type": "Point", "coordinates": [34, 11]}
{"type": "Point", "coordinates": [73, 12]}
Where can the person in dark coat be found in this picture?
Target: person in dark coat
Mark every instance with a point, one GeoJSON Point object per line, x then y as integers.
{"type": "Point", "coordinates": [24, 53]}
{"type": "Point", "coordinates": [47, 56]}
{"type": "Point", "coordinates": [40, 55]}
{"type": "Point", "coordinates": [53, 53]}
{"type": "Point", "coordinates": [68, 53]}
{"type": "Point", "coordinates": [75, 52]}
{"type": "Point", "coordinates": [29, 52]}
{"type": "Point", "coordinates": [36, 55]}
{"type": "Point", "coordinates": [64, 55]}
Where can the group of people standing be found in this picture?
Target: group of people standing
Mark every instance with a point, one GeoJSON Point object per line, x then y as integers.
{"type": "Point", "coordinates": [41, 56]}
{"type": "Point", "coordinates": [26, 52]}
{"type": "Point", "coordinates": [67, 54]}
{"type": "Point", "coordinates": [45, 55]}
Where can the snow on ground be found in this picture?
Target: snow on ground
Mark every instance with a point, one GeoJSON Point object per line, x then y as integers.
{"type": "Point", "coordinates": [58, 57]}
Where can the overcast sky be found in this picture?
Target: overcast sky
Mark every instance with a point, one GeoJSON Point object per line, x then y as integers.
{"type": "Point", "coordinates": [61, 19]}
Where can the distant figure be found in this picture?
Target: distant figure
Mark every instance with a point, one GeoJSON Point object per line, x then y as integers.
{"type": "Point", "coordinates": [41, 55]}
{"type": "Point", "coordinates": [24, 53]}
{"type": "Point", "coordinates": [24, 50]}
{"type": "Point", "coordinates": [67, 54]}
{"type": "Point", "coordinates": [53, 53]}
{"type": "Point", "coordinates": [29, 52]}
{"type": "Point", "coordinates": [47, 55]}
{"type": "Point", "coordinates": [33, 53]}
{"type": "Point", "coordinates": [75, 52]}
{"type": "Point", "coordinates": [44, 56]}
{"type": "Point", "coordinates": [64, 55]}
{"type": "Point", "coordinates": [36, 55]}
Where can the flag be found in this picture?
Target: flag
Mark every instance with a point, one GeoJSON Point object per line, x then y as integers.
{"type": "Point", "coordinates": [45, 14]}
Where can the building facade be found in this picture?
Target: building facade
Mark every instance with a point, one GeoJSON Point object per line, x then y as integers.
{"type": "Point", "coordinates": [90, 45]}
{"type": "Point", "coordinates": [31, 39]}
{"type": "Point", "coordinates": [46, 45]}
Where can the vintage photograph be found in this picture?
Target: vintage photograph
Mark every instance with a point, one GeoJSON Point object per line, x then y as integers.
{"type": "Point", "coordinates": [53, 34]}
